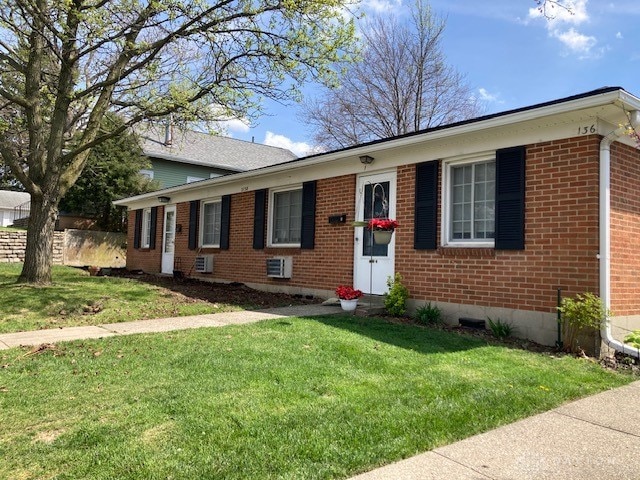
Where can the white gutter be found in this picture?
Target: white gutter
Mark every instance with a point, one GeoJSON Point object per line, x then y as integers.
{"type": "Point", "coordinates": [605, 233]}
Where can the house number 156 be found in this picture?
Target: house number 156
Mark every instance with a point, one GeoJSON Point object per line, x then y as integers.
{"type": "Point", "coordinates": [585, 130]}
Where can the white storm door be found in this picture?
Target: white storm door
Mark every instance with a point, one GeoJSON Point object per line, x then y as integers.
{"type": "Point", "coordinates": [168, 238]}
{"type": "Point", "coordinates": [373, 263]}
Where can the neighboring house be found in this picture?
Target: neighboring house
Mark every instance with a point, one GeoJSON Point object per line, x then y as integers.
{"type": "Point", "coordinates": [13, 206]}
{"type": "Point", "coordinates": [185, 156]}
{"type": "Point", "coordinates": [495, 214]}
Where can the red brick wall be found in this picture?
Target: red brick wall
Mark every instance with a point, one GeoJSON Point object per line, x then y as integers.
{"type": "Point", "coordinates": [330, 263]}
{"type": "Point", "coordinates": [625, 230]}
{"type": "Point", "coordinates": [561, 238]}
{"type": "Point", "coordinates": [144, 258]}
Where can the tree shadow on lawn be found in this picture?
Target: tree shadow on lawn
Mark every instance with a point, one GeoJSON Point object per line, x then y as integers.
{"type": "Point", "coordinates": [69, 296]}
{"type": "Point", "coordinates": [404, 335]}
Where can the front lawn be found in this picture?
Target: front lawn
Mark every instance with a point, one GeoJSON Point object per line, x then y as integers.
{"type": "Point", "coordinates": [75, 299]}
{"type": "Point", "coordinates": [293, 398]}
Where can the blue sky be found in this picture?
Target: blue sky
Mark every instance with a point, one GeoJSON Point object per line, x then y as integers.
{"type": "Point", "coordinates": [511, 56]}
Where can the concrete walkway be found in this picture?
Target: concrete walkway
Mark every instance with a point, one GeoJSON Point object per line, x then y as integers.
{"type": "Point", "coordinates": [38, 337]}
{"type": "Point", "coordinates": [597, 437]}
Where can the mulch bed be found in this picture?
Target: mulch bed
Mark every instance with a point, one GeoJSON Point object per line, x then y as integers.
{"type": "Point", "coordinates": [225, 293]}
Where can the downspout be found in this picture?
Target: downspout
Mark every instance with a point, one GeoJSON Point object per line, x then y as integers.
{"type": "Point", "coordinates": [605, 233]}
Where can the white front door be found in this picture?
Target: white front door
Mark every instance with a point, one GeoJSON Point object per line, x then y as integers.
{"type": "Point", "coordinates": [168, 238]}
{"type": "Point", "coordinates": [373, 263]}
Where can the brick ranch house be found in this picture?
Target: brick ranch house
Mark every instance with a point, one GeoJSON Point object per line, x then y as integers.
{"type": "Point", "coordinates": [495, 214]}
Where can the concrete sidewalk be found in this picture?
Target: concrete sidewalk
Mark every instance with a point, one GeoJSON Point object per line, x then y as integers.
{"type": "Point", "coordinates": [597, 437]}
{"type": "Point", "coordinates": [38, 337]}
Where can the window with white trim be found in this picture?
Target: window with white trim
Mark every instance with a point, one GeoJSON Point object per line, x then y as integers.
{"type": "Point", "coordinates": [191, 179]}
{"type": "Point", "coordinates": [469, 200]}
{"type": "Point", "coordinates": [285, 217]}
{"type": "Point", "coordinates": [210, 221]}
{"type": "Point", "coordinates": [145, 241]}
{"type": "Point", "coordinates": [147, 173]}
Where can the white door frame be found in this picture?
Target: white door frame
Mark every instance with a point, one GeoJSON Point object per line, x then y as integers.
{"type": "Point", "coordinates": [370, 272]}
{"type": "Point", "coordinates": [168, 239]}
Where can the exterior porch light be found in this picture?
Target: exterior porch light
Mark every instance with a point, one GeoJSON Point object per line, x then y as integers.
{"type": "Point", "coordinates": [366, 159]}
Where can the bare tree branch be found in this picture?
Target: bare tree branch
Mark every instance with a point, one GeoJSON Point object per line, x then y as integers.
{"type": "Point", "coordinates": [400, 85]}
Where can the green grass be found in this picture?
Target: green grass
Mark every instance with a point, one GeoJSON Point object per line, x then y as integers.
{"type": "Point", "coordinates": [75, 299]}
{"type": "Point", "coordinates": [12, 229]}
{"type": "Point", "coordinates": [294, 398]}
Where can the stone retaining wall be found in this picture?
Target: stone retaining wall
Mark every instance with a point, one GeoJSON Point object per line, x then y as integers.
{"type": "Point", "coordinates": [13, 244]}
{"type": "Point", "coordinates": [71, 247]}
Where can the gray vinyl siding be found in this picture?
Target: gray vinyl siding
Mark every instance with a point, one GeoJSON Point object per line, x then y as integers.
{"type": "Point", "coordinates": [170, 174]}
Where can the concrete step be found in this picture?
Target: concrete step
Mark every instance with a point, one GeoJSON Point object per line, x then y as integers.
{"type": "Point", "coordinates": [370, 305]}
{"type": "Point", "coordinates": [366, 311]}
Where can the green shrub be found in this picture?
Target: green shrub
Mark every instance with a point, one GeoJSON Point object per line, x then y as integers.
{"type": "Point", "coordinates": [395, 302]}
{"type": "Point", "coordinates": [633, 339]}
{"type": "Point", "coordinates": [501, 329]}
{"type": "Point", "coordinates": [581, 314]}
{"type": "Point", "coordinates": [428, 314]}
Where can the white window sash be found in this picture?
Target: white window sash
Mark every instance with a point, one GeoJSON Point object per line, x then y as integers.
{"type": "Point", "coordinates": [217, 221]}
{"type": "Point", "coordinates": [446, 230]}
{"type": "Point", "coordinates": [146, 228]}
{"type": "Point", "coordinates": [272, 218]}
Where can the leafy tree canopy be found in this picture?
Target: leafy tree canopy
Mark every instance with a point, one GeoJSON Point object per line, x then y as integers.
{"type": "Point", "coordinates": [65, 63]}
{"type": "Point", "coordinates": [112, 172]}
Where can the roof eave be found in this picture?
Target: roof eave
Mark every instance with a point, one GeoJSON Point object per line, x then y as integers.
{"type": "Point", "coordinates": [613, 96]}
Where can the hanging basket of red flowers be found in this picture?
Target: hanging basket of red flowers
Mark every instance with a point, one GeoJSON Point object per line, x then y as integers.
{"type": "Point", "coordinates": [382, 230]}
{"type": "Point", "coordinates": [382, 224]}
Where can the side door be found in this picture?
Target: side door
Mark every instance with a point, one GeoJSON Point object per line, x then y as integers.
{"type": "Point", "coordinates": [373, 263]}
{"type": "Point", "coordinates": [168, 238]}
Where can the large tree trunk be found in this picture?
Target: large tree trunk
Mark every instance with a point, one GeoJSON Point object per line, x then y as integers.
{"type": "Point", "coordinates": [39, 252]}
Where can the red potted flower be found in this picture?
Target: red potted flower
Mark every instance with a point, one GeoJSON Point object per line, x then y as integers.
{"type": "Point", "coordinates": [348, 297]}
{"type": "Point", "coordinates": [383, 224]}
{"type": "Point", "coordinates": [382, 229]}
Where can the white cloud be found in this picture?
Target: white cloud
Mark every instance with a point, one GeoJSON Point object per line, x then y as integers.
{"type": "Point", "coordinates": [619, 36]}
{"type": "Point", "coordinates": [486, 96]}
{"type": "Point", "coordinates": [559, 18]}
{"type": "Point", "coordinates": [575, 13]}
{"type": "Point", "coordinates": [224, 123]}
{"type": "Point", "coordinates": [382, 6]}
{"type": "Point", "coordinates": [235, 125]}
{"type": "Point", "coordinates": [301, 149]}
{"type": "Point", "coordinates": [575, 41]}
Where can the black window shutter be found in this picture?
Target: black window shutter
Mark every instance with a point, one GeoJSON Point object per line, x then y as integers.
{"type": "Point", "coordinates": [152, 227]}
{"type": "Point", "coordinates": [193, 224]}
{"type": "Point", "coordinates": [308, 229]}
{"type": "Point", "coordinates": [426, 209]}
{"type": "Point", "coordinates": [510, 185]}
{"type": "Point", "coordinates": [259, 219]}
{"type": "Point", "coordinates": [225, 222]}
{"type": "Point", "coordinates": [137, 229]}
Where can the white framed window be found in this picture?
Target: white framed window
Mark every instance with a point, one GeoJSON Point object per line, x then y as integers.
{"type": "Point", "coordinates": [210, 222]}
{"type": "Point", "coordinates": [147, 173]}
{"type": "Point", "coordinates": [285, 217]}
{"type": "Point", "coordinates": [191, 179]}
{"type": "Point", "coordinates": [469, 199]}
{"type": "Point", "coordinates": [145, 241]}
